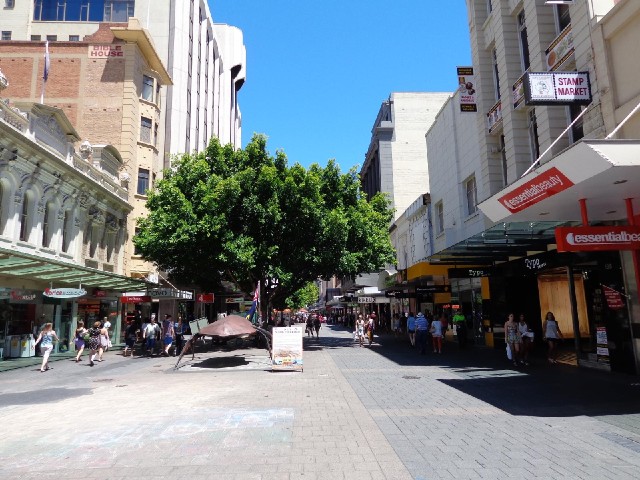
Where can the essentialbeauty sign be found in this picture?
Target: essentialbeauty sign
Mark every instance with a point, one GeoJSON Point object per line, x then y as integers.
{"type": "Point", "coordinates": [543, 186]}
{"type": "Point", "coordinates": [589, 239]}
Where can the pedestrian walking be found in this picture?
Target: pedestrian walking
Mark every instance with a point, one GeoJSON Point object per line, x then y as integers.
{"type": "Point", "coordinates": [437, 332]}
{"type": "Point", "coordinates": [527, 340]}
{"type": "Point", "coordinates": [46, 339]}
{"type": "Point", "coordinates": [396, 324]}
{"type": "Point", "coordinates": [552, 335]}
{"type": "Point", "coordinates": [316, 326]}
{"type": "Point", "coordinates": [106, 324]}
{"type": "Point", "coordinates": [79, 339]}
{"type": "Point", "coordinates": [359, 332]}
{"type": "Point", "coordinates": [167, 333]}
{"type": "Point", "coordinates": [149, 335]}
{"type": "Point", "coordinates": [460, 323]}
{"type": "Point", "coordinates": [422, 327]}
{"type": "Point", "coordinates": [94, 341]}
{"type": "Point", "coordinates": [104, 341]}
{"type": "Point", "coordinates": [411, 329]}
{"type": "Point", "coordinates": [178, 330]}
{"type": "Point", "coordinates": [130, 337]}
{"type": "Point", "coordinates": [371, 325]}
{"type": "Point", "coordinates": [512, 337]}
{"type": "Point", "coordinates": [309, 326]}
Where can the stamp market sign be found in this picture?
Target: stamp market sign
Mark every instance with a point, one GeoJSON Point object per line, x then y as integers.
{"type": "Point", "coordinates": [590, 239]}
{"type": "Point", "coordinates": [64, 292]}
{"type": "Point", "coordinates": [543, 186]}
{"type": "Point", "coordinates": [557, 88]}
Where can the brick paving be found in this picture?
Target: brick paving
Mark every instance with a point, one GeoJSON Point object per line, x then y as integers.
{"type": "Point", "coordinates": [384, 412]}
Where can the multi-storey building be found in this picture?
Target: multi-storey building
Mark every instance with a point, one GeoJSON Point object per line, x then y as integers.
{"type": "Point", "coordinates": [551, 88]}
{"type": "Point", "coordinates": [109, 85]}
{"type": "Point", "coordinates": [396, 160]}
{"type": "Point", "coordinates": [63, 215]}
{"type": "Point", "coordinates": [205, 60]}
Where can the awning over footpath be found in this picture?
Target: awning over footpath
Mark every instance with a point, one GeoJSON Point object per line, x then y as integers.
{"type": "Point", "coordinates": [602, 172]}
{"type": "Point", "coordinates": [56, 272]}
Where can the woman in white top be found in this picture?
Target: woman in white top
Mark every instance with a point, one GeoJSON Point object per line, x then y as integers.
{"type": "Point", "coordinates": [552, 334]}
{"type": "Point", "coordinates": [360, 329]}
{"type": "Point", "coordinates": [46, 338]}
{"type": "Point", "coordinates": [526, 336]}
{"type": "Point", "coordinates": [436, 334]}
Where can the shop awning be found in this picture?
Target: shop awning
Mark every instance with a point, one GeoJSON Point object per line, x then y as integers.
{"type": "Point", "coordinates": [425, 269]}
{"type": "Point", "coordinates": [500, 243]}
{"type": "Point", "coordinates": [55, 272]}
{"type": "Point", "coordinates": [603, 172]}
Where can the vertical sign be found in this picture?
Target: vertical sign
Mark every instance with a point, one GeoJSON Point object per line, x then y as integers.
{"type": "Point", "coordinates": [467, 89]}
{"type": "Point", "coordinates": [287, 348]}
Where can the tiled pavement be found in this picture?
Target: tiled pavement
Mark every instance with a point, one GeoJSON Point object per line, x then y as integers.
{"type": "Point", "coordinates": [354, 413]}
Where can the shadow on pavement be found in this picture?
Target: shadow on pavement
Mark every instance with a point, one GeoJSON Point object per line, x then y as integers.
{"type": "Point", "coordinates": [222, 362]}
{"type": "Point", "coordinates": [44, 395]}
{"type": "Point", "coordinates": [537, 390]}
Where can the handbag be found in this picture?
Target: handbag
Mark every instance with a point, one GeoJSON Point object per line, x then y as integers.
{"type": "Point", "coordinates": [509, 353]}
{"type": "Point", "coordinates": [86, 337]}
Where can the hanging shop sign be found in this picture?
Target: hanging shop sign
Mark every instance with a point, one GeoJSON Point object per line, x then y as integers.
{"type": "Point", "coordinates": [590, 239]}
{"type": "Point", "coordinates": [205, 298]}
{"type": "Point", "coordinates": [541, 187]}
{"type": "Point", "coordinates": [170, 293]}
{"type": "Point", "coordinates": [135, 299]}
{"type": "Point", "coordinates": [64, 292]}
{"type": "Point", "coordinates": [557, 88]}
{"type": "Point", "coordinates": [366, 299]}
{"type": "Point", "coordinates": [469, 272]}
{"type": "Point", "coordinates": [234, 300]}
{"type": "Point", "coordinates": [433, 289]}
{"type": "Point", "coordinates": [467, 89]}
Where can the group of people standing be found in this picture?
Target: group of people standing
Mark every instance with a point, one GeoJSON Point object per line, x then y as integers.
{"type": "Point", "coordinates": [365, 328]}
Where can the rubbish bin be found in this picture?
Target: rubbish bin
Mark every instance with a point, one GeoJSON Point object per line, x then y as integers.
{"type": "Point", "coordinates": [27, 346]}
{"type": "Point", "coordinates": [14, 346]}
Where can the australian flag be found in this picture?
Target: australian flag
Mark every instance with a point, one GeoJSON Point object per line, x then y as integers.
{"type": "Point", "coordinates": [254, 306]}
{"type": "Point", "coordinates": [47, 62]}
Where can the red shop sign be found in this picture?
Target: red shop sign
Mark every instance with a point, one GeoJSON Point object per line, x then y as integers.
{"type": "Point", "coordinates": [590, 239]}
{"type": "Point", "coordinates": [543, 186]}
{"type": "Point", "coordinates": [613, 297]}
{"type": "Point", "coordinates": [205, 298]}
{"type": "Point", "coordinates": [136, 299]}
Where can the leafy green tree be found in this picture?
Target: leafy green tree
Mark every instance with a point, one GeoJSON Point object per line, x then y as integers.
{"type": "Point", "coordinates": [303, 297]}
{"type": "Point", "coordinates": [245, 216]}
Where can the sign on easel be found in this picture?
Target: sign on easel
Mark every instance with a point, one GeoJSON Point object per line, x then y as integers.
{"type": "Point", "coordinates": [287, 348]}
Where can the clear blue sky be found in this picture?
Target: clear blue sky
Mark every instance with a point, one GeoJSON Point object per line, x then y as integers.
{"type": "Point", "coordinates": [318, 70]}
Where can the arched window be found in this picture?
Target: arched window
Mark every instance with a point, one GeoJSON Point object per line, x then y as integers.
{"type": "Point", "coordinates": [24, 218]}
{"type": "Point", "coordinates": [48, 224]}
{"type": "Point", "coordinates": [66, 230]}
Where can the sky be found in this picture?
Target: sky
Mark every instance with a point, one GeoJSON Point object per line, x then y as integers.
{"type": "Point", "coordinates": [317, 71]}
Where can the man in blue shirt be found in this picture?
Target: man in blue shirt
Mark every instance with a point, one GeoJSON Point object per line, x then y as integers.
{"type": "Point", "coordinates": [422, 327]}
{"type": "Point", "coordinates": [411, 329]}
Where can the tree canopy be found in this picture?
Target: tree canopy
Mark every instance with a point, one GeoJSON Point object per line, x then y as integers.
{"type": "Point", "coordinates": [245, 216]}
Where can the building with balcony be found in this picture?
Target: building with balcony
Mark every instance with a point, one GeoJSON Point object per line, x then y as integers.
{"type": "Point", "coordinates": [557, 130]}
{"type": "Point", "coordinates": [109, 85]}
{"type": "Point", "coordinates": [63, 216]}
{"type": "Point", "coordinates": [206, 61]}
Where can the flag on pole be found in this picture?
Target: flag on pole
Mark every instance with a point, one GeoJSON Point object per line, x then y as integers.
{"type": "Point", "coordinates": [47, 62]}
{"type": "Point", "coordinates": [254, 305]}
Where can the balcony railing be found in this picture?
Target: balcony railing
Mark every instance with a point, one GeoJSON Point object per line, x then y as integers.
{"type": "Point", "coordinates": [518, 91]}
{"type": "Point", "coordinates": [494, 117]}
{"type": "Point", "coordinates": [560, 49]}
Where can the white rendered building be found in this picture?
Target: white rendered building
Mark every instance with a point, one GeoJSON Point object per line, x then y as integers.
{"type": "Point", "coordinates": [396, 160]}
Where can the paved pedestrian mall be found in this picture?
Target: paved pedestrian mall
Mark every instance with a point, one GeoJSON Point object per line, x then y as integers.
{"type": "Point", "coordinates": [384, 412]}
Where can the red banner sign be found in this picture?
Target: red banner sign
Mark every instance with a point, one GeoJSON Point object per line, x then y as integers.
{"type": "Point", "coordinates": [581, 239]}
{"type": "Point", "coordinates": [205, 298]}
{"type": "Point", "coordinates": [613, 297]}
{"type": "Point", "coordinates": [136, 299]}
{"type": "Point", "coordinates": [543, 186]}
